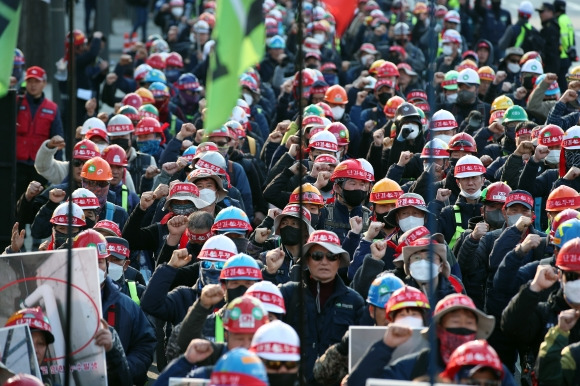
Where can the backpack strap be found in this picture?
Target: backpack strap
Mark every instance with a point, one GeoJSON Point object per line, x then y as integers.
{"type": "Point", "coordinates": [458, 226]}
{"type": "Point", "coordinates": [219, 328]}
{"type": "Point", "coordinates": [251, 145]}
{"type": "Point", "coordinates": [124, 197]}
{"type": "Point", "coordinates": [110, 211]}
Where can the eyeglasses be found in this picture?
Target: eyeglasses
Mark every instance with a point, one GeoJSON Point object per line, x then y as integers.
{"type": "Point", "coordinates": [275, 365]}
{"type": "Point", "coordinates": [221, 144]}
{"type": "Point", "coordinates": [78, 163]}
{"type": "Point", "coordinates": [93, 183]}
{"type": "Point", "coordinates": [318, 256]}
{"type": "Point", "coordinates": [207, 264]}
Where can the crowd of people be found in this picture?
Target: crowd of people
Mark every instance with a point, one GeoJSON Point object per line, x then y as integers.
{"type": "Point", "coordinates": [242, 254]}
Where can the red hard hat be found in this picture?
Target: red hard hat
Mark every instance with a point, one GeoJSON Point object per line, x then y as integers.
{"type": "Point", "coordinates": [569, 256]}
{"type": "Point", "coordinates": [132, 99]}
{"type": "Point", "coordinates": [156, 61]}
{"type": "Point", "coordinates": [387, 70]}
{"type": "Point", "coordinates": [174, 59]}
{"type": "Point", "coordinates": [85, 150]}
{"type": "Point", "coordinates": [244, 315]}
{"type": "Point", "coordinates": [352, 168]}
{"type": "Point", "coordinates": [477, 353]}
{"type": "Point", "coordinates": [115, 155]}
{"type": "Point", "coordinates": [35, 319]}
{"type": "Point", "coordinates": [92, 238]}
{"type": "Point", "coordinates": [148, 125]}
{"type": "Point", "coordinates": [340, 132]}
{"type": "Point", "coordinates": [23, 380]}
{"type": "Point", "coordinates": [551, 135]}
{"type": "Point", "coordinates": [497, 192]}
{"type": "Point", "coordinates": [405, 297]}
{"type": "Point", "coordinates": [463, 142]}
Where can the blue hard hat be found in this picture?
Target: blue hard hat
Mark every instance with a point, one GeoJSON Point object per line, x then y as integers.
{"type": "Point", "coordinates": [276, 41]}
{"type": "Point", "coordinates": [232, 219]}
{"type": "Point", "coordinates": [241, 267]}
{"type": "Point", "coordinates": [239, 366]}
{"type": "Point", "coordinates": [155, 76]}
{"type": "Point", "coordinates": [567, 231]}
{"type": "Point", "coordinates": [381, 289]}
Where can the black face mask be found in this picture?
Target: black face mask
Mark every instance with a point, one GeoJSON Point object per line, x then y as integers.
{"type": "Point", "coordinates": [123, 142]}
{"type": "Point", "coordinates": [90, 223]}
{"type": "Point", "coordinates": [381, 218]}
{"type": "Point", "coordinates": [282, 379]}
{"type": "Point", "coordinates": [290, 235]}
{"type": "Point", "coordinates": [314, 219]}
{"type": "Point", "coordinates": [572, 158]}
{"type": "Point", "coordinates": [384, 97]}
{"type": "Point", "coordinates": [528, 83]}
{"type": "Point", "coordinates": [328, 187]}
{"type": "Point", "coordinates": [401, 42]}
{"type": "Point", "coordinates": [233, 293]}
{"type": "Point", "coordinates": [59, 239]}
{"type": "Point", "coordinates": [465, 97]}
{"type": "Point", "coordinates": [494, 218]}
{"type": "Point", "coordinates": [354, 197]}
{"type": "Point", "coordinates": [241, 244]}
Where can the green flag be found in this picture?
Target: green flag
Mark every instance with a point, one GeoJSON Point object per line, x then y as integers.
{"type": "Point", "coordinates": [9, 21]}
{"type": "Point", "coordinates": [239, 44]}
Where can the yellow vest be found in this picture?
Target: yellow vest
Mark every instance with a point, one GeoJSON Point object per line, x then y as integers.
{"type": "Point", "coordinates": [566, 35]}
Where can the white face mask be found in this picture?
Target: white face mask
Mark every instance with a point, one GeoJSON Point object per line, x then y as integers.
{"type": "Point", "coordinates": [367, 60]}
{"type": "Point", "coordinates": [444, 137]}
{"type": "Point", "coordinates": [553, 157]}
{"type": "Point", "coordinates": [115, 271]}
{"type": "Point", "coordinates": [409, 321]}
{"type": "Point", "coordinates": [472, 196]}
{"type": "Point", "coordinates": [248, 98]}
{"type": "Point", "coordinates": [423, 270]}
{"type": "Point", "coordinates": [414, 130]}
{"type": "Point", "coordinates": [411, 222]}
{"type": "Point", "coordinates": [320, 38]}
{"type": "Point", "coordinates": [177, 11]}
{"type": "Point", "coordinates": [513, 219]}
{"type": "Point", "coordinates": [102, 146]}
{"type": "Point", "coordinates": [447, 50]}
{"type": "Point", "coordinates": [513, 67]}
{"type": "Point", "coordinates": [101, 276]}
{"type": "Point", "coordinates": [207, 195]}
{"type": "Point", "coordinates": [451, 98]}
{"type": "Point", "coordinates": [337, 112]}
{"type": "Point", "coordinates": [572, 291]}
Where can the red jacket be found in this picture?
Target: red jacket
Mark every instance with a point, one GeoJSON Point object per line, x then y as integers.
{"type": "Point", "coordinates": [32, 132]}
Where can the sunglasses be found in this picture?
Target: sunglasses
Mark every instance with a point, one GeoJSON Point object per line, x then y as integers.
{"type": "Point", "coordinates": [221, 144]}
{"type": "Point", "coordinates": [275, 365]}
{"type": "Point", "coordinates": [318, 256]}
{"type": "Point", "coordinates": [78, 163]}
{"type": "Point", "coordinates": [92, 183]}
{"type": "Point", "coordinates": [207, 264]}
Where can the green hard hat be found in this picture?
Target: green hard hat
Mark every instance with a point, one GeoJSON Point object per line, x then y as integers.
{"type": "Point", "coordinates": [450, 81]}
{"type": "Point", "coordinates": [313, 110]}
{"type": "Point", "coordinates": [515, 114]}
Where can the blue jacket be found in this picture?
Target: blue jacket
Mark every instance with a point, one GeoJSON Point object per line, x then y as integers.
{"type": "Point", "coordinates": [324, 327]}
{"type": "Point", "coordinates": [136, 333]}
{"type": "Point", "coordinates": [340, 218]}
{"type": "Point", "coordinates": [446, 216]}
{"type": "Point", "coordinates": [159, 302]}
{"type": "Point", "coordinates": [375, 364]}
{"type": "Point", "coordinates": [495, 300]}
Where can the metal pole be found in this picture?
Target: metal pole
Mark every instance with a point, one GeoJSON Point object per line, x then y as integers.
{"type": "Point", "coordinates": [430, 193]}
{"type": "Point", "coordinates": [72, 115]}
{"type": "Point", "coordinates": [57, 31]}
{"type": "Point", "coordinates": [302, 284]}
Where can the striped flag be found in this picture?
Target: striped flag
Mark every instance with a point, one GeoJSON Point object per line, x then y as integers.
{"type": "Point", "coordinates": [239, 44]}
{"type": "Point", "coordinates": [9, 21]}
